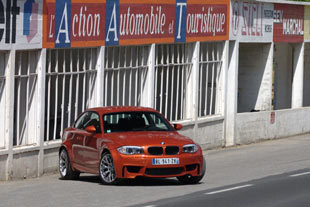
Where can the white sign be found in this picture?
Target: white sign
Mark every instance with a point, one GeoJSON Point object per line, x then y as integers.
{"type": "Point", "coordinates": [20, 24]}
{"type": "Point", "coordinates": [251, 21]}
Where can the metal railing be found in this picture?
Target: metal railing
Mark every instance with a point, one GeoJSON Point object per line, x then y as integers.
{"type": "Point", "coordinates": [173, 66]}
{"type": "Point", "coordinates": [70, 82]}
{"type": "Point", "coordinates": [125, 75]}
{"type": "Point", "coordinates": [210, 66]}
{"type": "Point", "coordinates": [25, 97]}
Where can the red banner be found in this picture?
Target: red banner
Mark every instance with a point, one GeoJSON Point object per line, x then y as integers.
{"type": "Point", "coordinates": [146, 23]}
{"type": "Point", "coordinates": [288, 23]}
{"type": "Point", "coordinates": [78, 23]}
{"type": "Point", "coordinates": [207, 22]}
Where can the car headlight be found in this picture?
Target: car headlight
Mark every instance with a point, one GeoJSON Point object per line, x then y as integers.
{"type": "Point", "coordinates": [190, 148]}
{"type": "Point", "coordinates": [130, 150]}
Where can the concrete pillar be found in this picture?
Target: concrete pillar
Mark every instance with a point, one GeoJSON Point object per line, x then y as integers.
{"type": "Point", "coordinates": [100, 77]}
{"type": "Point", "coordinates": [192, 86]}
{"type": "Point", "coordinates": [222, 85]}
{"type": "Point", "coordinates": [264, 98]}
{"type": "Point", "coordinates": [149, 86]}
{"type": "Point", "coordinates": [298, 75]}
{"type": "Point", "coordinates": [232, 92]}
{"type": "Point", "coordinates": [9, 73]}
{"type": "Point", "coordinates": [41, 108]}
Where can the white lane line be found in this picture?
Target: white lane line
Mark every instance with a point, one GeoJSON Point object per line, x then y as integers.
{"type": "Point", "coordinates": [229, 189]}
{"type": "Point", "coordinates": [150, 206]}
{"type": "Point", "coordinates": [300, 174]}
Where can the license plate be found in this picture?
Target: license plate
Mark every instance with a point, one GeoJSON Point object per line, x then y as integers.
{"type": "Point", "coordinates": [165, 161]}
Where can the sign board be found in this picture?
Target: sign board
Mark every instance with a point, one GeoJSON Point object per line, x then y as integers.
{"type": "Point", "coordinates": [20, 24]}
{"type": "Point", "coordinates": [139, 22]}
{"type": "Point", "coordinates": [272, 117]}
{"type": "Point", "coordinates": [205, 21]}
{"type": "Point", "coordinates": [251, 21]}
{"type": "Point", "coordinates": [75, 23]}
{"type": "Point", "coordinates": [288, 23]}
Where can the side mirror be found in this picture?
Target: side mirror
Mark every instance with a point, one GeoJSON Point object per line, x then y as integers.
{"type": "Point", "coordinates": [178, 126]}
{"type": "Point", "coordinates": [91, 129]}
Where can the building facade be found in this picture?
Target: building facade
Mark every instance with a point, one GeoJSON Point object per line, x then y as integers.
{"type": "Point", "coordinates": [232, 72]}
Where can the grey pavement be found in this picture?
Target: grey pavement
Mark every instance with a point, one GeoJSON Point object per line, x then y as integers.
{"type": "Point", "coordinates": [227, 166]}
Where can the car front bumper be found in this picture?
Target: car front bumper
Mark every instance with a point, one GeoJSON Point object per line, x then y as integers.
{"type": "Point", "coordinates": [131, 166]}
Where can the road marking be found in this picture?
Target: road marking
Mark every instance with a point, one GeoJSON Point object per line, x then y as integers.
{"type": "Point", "coordinates": [150, 206]}
{"type": "Point", "coordinates": [229, 189]}
{"type": "Point", "coordinates": [300, 174]}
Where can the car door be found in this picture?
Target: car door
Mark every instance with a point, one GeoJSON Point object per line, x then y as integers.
{"type": "Point", "coordinates": [78, 138]}
{"type": "Point", "coordinates": [91, 144]}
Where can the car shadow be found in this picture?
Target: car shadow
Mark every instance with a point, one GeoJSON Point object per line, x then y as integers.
{"type": "Point", "coordinates": [139, 181]}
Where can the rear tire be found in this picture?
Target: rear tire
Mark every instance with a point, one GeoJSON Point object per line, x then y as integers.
{"type": "Point", "coordinates": [65, 169]}
{"type": "Point", "coordinates": [107, 172]}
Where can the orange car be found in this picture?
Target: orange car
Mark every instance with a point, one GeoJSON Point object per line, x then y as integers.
{"type": "Point", "coordinates": [126, 142]}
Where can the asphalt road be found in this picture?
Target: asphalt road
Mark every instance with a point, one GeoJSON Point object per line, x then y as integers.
{"type": "Point", "coordinates": [287, 190]}
{"type": "Point", "coordinates": [252, 175]}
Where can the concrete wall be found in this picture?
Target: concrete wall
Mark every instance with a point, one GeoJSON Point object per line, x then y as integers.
{"type": "Point", "coordinates": [25, 164]}
{"type": "Point", "coordinates": [254, 127]}
{"type": "Point", "coordinates": [3, 159]}
{"type": "Point", "coordinates": [50, 162]}
{"type": "Point", "coordinates": [208, 132]}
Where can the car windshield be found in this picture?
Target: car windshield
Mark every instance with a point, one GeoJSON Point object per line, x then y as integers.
{"type": "Point", "coordinates": [135, 121]}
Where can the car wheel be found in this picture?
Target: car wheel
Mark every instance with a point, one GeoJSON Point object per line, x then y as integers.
{"type": "Point", "coordinates": [65, 169]}
{"type": "Point", "coordinates": [188, 179]}
{"type": "Point", "coordinates": [106, 170]}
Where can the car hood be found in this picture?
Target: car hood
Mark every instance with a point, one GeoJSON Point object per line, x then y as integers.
{"type": "Point", "coordinates": [147, 138]}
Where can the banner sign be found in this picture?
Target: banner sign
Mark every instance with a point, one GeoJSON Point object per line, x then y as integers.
{"type": "Point", "coordinates": [74, 23]}
{"type": "Point", "coordinates": [20, 24]}
{"type": "Point", "coordinates": [137, 22]}
{"type": "Point", "coordinates": [251, 21]}
{"type": "Point", "coordinates": [288, 23]}
{"type": "Point", "coordinates": [206, 21]}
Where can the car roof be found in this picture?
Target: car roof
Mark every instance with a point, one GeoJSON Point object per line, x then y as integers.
{"type": "Point", "coordinates": [115, 109]}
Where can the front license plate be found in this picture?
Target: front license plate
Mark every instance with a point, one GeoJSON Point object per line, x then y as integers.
{"type": "Point", "coordinates": [165, 161]}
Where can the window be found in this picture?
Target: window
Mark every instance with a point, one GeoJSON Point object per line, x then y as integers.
{"type": "Point", "coordinates": [172, 69]}
{"type": "Point", "coordinates": [3, 64]}
{"type": "Point", "coordinates": [70, 83]}
{"type": "Point", "coordinates": [25, 98]}
{"type": "Point", "coordinates": [125, 75]}
{"type": "Point", "coordinates": [210, 68]}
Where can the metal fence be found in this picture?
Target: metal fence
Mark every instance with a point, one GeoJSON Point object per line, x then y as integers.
{"type": "Point", "coordinates": [70, 82]}
{"type": "Point", "coordinates": [25, 97]}
{"type": "Point", "coordinates": [210, 66]}
{"type": "Point", "coordinates": [3, 63]}
{"type": "Point", "coordinates": [173, 66]}
{"type": "Point", "coordinates": [125, 75]}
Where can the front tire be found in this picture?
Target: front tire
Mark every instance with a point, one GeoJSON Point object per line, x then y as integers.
{"type": "Point", "coordinates": [65, 170]}
{"type": "Point", "coordinates": [107, 172]}
{"type": "Point", "coordinates": [188, 179]}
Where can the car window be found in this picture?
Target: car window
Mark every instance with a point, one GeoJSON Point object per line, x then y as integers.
{"type": "Point", "coordinates": [94, 120]}
{"type": "Point", "coordinates": [88, 119]}
{"type": "Point", "coordinates": [80, 122]}
{"type": "Point", "coordinates": [135, 121]}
